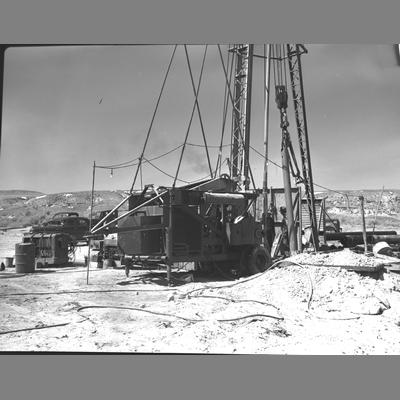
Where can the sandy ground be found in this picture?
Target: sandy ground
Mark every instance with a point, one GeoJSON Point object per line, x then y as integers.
{"type": "Point", "coordinates": [290, 309]}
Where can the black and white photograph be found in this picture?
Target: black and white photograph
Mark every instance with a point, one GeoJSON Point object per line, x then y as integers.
{"type": "Point", "coordinates": [200, 199]}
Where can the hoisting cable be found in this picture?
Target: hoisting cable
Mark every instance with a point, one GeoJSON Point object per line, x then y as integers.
{"type": "Point", "coordinates": [280, 80]}
{"type": "Point", "coordinates": [152, 119]}
{"type": "Point", "coordinates": [191, 118]}
{"type": "Point", "coordinates": [233, 104]}
{"type": "Point", "coordinates": [198, 107]}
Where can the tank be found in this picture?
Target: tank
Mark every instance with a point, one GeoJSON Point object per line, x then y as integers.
{"type": "Point", "coordinates": [24, 258]}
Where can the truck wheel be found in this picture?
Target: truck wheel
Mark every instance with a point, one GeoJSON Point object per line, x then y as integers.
{"type": "Point", "coordinates": [259, 260]}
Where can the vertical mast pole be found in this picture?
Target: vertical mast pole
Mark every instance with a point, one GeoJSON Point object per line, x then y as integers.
{"type": "Point", "coordinates": [246, 162]}
{"type": "Point", "coordinates": [288, 195]}
{"type": "Point", "coordinates": [267, 75]}
{"type": "Point", "coordinates": [361, 198]}
{"type": "Point", "coordinates": [90, 221]}
{"type": "Point", "coordinates": [236, 120]}
{"type": "Point", "coordinates": [240, 169]}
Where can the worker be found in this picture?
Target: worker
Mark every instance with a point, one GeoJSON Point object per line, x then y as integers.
{"type": "Point", "coordinates": [285, 249]}
{"type": "Point", "coordinates": [270, 228]}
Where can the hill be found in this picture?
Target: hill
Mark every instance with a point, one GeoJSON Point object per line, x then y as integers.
{"type": "Point", "coordinates": [19, 208]}
{"type": "Point", "coordinates": [384, 207]}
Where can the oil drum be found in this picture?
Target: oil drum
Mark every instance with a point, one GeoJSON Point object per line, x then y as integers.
{"type": "Point", "coordinates": [24, 258]}
{"type": "Point", "coordinates": [9, 262]}
{"type": "Point", "coordinates": [108, 263]}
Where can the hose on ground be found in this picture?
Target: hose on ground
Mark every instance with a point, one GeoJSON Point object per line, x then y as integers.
{"type": "Point", "coordinates": [178, 316]}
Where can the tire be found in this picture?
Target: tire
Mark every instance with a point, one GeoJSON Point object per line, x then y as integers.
{"type": "Point", "coordinates": [259, 260]}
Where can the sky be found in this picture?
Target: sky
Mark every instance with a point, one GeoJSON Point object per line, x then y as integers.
{"type": "Point", "coordinates": [65, 108]}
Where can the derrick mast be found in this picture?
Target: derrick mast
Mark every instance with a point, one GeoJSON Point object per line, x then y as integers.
{"type": "Point", "coordinates": [240, 168]}
{"type": "Point", "coordinates": [294, 52]}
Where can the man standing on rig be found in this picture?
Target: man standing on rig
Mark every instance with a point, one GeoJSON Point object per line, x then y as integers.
{"type": "Point", "coordinates": [285, 249]}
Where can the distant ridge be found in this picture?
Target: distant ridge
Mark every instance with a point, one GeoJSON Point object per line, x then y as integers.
{"type": "Point", "coordinates": [21, 208]}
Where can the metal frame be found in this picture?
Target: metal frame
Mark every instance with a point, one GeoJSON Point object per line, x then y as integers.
{"type": "Point", "coordinates": [294, 52]}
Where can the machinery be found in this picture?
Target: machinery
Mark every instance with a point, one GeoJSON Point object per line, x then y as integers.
{"type": "Point", "coordinates": [208, 224]}
{"type": "Point", "coordinates": [55, 239]}
{"type": "Point", "coordinates": [51, 249]}
{"type": "Point", "coordinates": [212, 223]}
{"type": "Point", "coordinates": [69, 223]}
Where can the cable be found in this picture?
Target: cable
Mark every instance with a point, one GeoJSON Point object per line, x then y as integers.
{"type": "Point", "coordinates": [153, 117]}
{"type": "Point", "coordinates": [197, 102]}
{"type": "Point", "coordinates": [131, 165]}
{"type": "Point", "coordinates": [261, 155]}
{"type": "Point", "coordinates": [2, 295]}
{"type": "Point", "coordinates": [178, 316]}
{"type": "Point", "coordinates": [120, 165]}
{"type": "Point", "coordinates": [225, 113]}
{"type": "Point", "coordinates": [165, 173]}
{"type": "Point", "coordinates": [166, 153]}
{"type": "Point", "coordinates": [236, 283]}
{"type": "Point", "coordinates": [191, 118]}
{"type": "Point", "coordinates": [210, 146]}
{"type": "Point", "coordinates": [234, 300]}
{"type": "Point", "coordinates": [310, 280]}
{"type": "Point", "coordinates": [315, 184]}
{"type": "Point", "coordinates": [34, 328]}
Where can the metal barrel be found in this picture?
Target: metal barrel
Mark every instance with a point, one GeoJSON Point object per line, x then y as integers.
{"type": "Point", "coordinates": [9, 262]}
{"type": "Point", "coordinates": [24, 258]}
{"type": "Point", "coordinates": [108, 263]}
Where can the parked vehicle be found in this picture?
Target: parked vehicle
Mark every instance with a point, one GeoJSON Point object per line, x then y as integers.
{"type": "Point", "coordinates": [69, 223]}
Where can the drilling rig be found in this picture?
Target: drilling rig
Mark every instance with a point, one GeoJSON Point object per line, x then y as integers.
{"type": "Point", "coordinates": [212, 223]}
